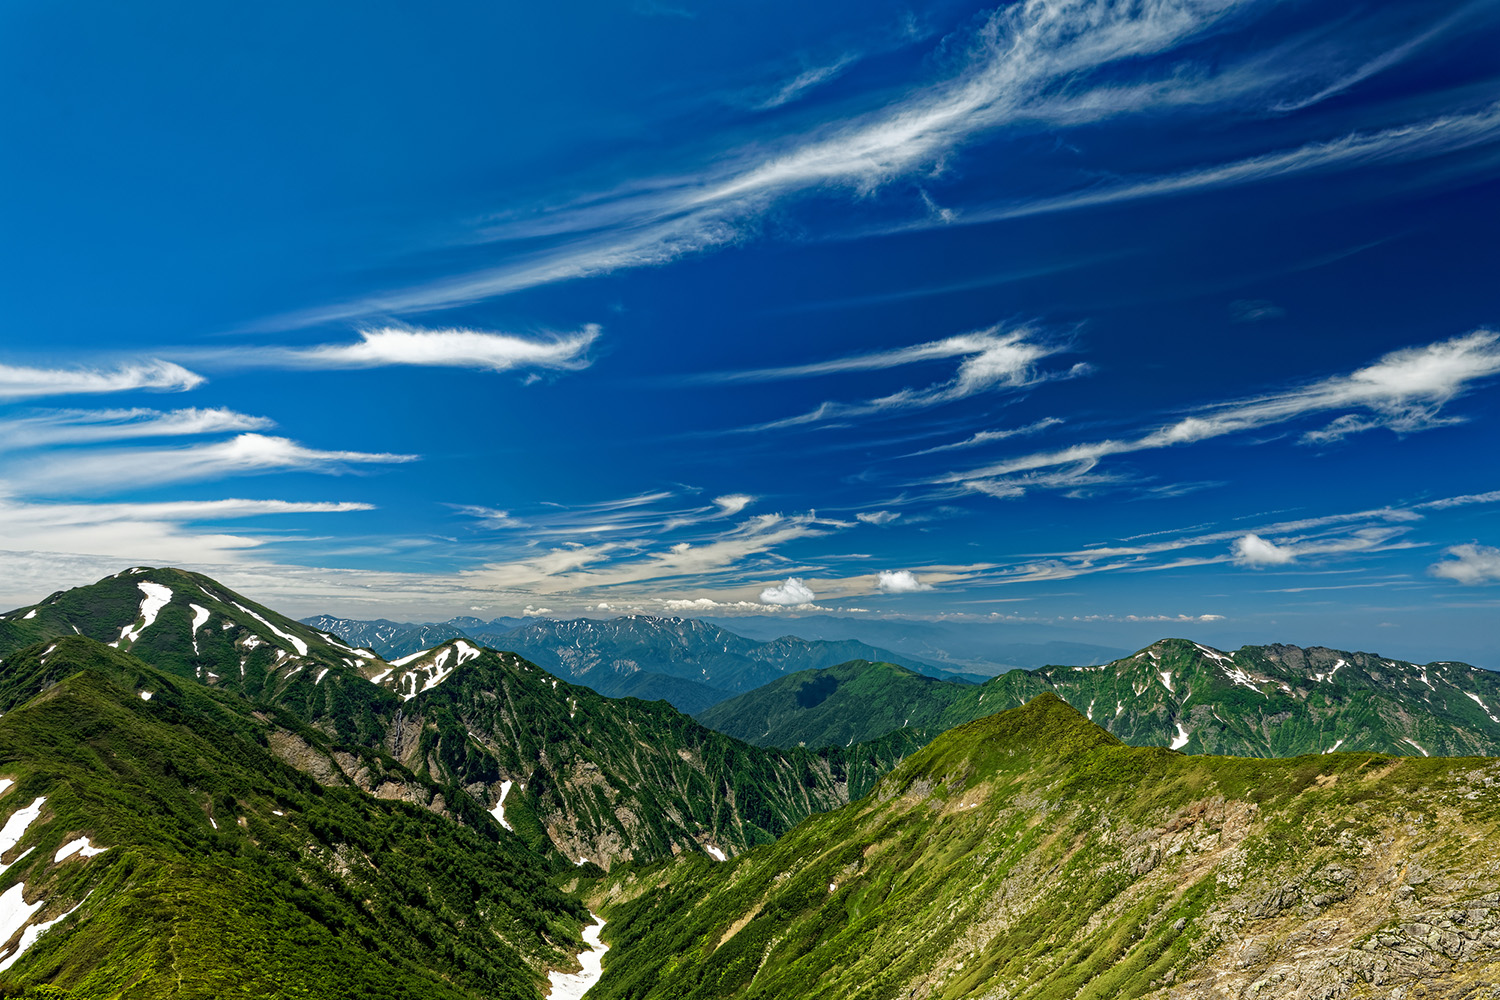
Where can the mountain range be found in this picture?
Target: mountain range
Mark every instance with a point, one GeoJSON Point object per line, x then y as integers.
{"type": "Point", "coordinates": [1260, 701]}
{"type": "Point", "coordinates": [691, 663]}
{"type": "Point", "coordinates": [201, 797]}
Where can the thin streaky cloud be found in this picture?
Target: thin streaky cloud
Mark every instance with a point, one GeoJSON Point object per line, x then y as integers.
{"type": "Point", "coordinates": [1403, 391]}
{"type": "Point", "coordinates": [94, 426]}
{"type": "Point", "coordinates": [993, 361]}
{"type": "Point", "coordinates": [1030, 64]}
{"type": "Point", "coordinates": [1430, 138]}
{"type": "Point", "coordinates": [110, 470]}
{"type": "Point", "coordinates": [804, 81]}
{"type": "Point", "coordinates": [949, 347]}
{"type": "Point", "coordinates": [30, 383]}
{"type": "Point", "coordinates": [987, 437]}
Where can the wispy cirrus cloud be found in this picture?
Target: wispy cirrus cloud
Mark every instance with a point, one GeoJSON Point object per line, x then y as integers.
{"type": "Point", "coordinates": [1418, 140]}
{"type": "Point", "coordinates": [1404, 391]}
{"type": "Point", "coordinates": [1031, 64]}
{"type": "Point", "coordinates": [644, 514]}
{"type": "Point", "coordinates": [31, 383]}
{"type": "Point", "coordinates": [56, 427]}
{"type": "Point", "coordinates": [110, 470]}
{"type": "Point", "coordinates": [808, 79]}
{"type": "Point", "coordinates": [992, 359]}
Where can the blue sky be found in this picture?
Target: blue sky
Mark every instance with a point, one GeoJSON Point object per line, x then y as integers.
{"type": "Point", "coordinates": [1097, 320]}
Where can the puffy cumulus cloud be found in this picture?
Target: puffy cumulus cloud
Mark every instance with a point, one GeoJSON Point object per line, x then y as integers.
{"type": "Point", "coordinates": [899, 581]}
{"type": "Point", "coordinates": [1469, 564]}
{"type": "Point", "coordinates": [877, 517]}
{"type": "Point", "coordinates": [28, 383]}
{"type": "Point", "coordinates": [1253, 550]}
{"type": "Point", "coordinates": [793, 591]}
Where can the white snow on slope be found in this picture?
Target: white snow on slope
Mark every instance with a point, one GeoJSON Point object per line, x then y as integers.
{"type": "Point", "coordinates": [15, 829]}
{"type": "Point", "coordinates": [5, 783]}
{"type": "Point", "coordinates": [714, 852]}
{"type": "Point", "coordinates": [15, 912]}
{"type": "Point", "coordinates": [321, 674]}
{"type": "Point", "coordinates": [156, 598]}
{"type": "Point", "coordinates": [200, 619]}
{"type": "Point", "coordinates": [146, 695]}
{"type": "Point", "coordinates": [81, 847]}
{"type": "Point", "coordinates": [1182, 738]}
{"type": "Point", "coordinates": [378, 678]}
{"type": "Point", "coordinates": [1336, 745]}
{"type": "Point", "coordinates": [1482, 705]}
{"type": "Point", "coordinates": [572, 986]}
{"type": "Point", "coordinates": [29, 614]}
{"type": "Point", "coordinates": [1166, 678]}
{"type": "Point", "coordinates": [1329, 676]}
{"type": "Point", "coordinates": [1418, 746]}
{"type": "Point", "coordinates": [499, 811]}
{"type": "Point", "coordinates": [32, 933]}
{"type": "Point", "coordinates": [466, 652]}
{"type": "Point", "coordinates": [1213, 653]}
{"type": "Point", "coordinates": [301, 646]}
{"type": "Point", "coordinates": [410, 657]}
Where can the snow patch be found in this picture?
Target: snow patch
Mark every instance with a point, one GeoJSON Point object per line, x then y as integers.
{"type": "Point", "coordinates": [382, 676]}
{"type": "Point", "coordinates": [410, 657]}
{"type": "Point", "coordinates": [14, 829]}
{"type": "Point", "coordinates": [572, 986]}
{"type": "Point", "coordinates": [1482, 705]}
{"type": "Point", "coordinates": [156, 598]}
{"type": "Point", "coordinates": [321, 674]}
{"type": "Point", "coordinates": [146, 695]}
{"type": "Point", "coordinates": [33, 932]}
{"type": "Point", "coordinates": [301, 646]}
{"type": "Point", "coordinates": [466, 652]}
{"type": "Point", "coordinates": [499, 811]}
{"type": "Point", "coordinates": [200, 619]}
{"type": "Point", "coordinates": [1417, 745]}
{"type": "Point", "coordinates": [1090, 712]}
{"type": "Point", "coordinates": [29, 614]}
{"type": "Point", "coordinates": [5, 784]}
{"type": "Point", "coordinates": [1182, 738]}
{"type": "Point", "coordinates": [80, 847]}
{"type": "Point", "coordinates": [1336, 744]}
{"type": "Point", "coordinates": [714, 852]}
{"type": "Point", "coordinates": [1166, 678]}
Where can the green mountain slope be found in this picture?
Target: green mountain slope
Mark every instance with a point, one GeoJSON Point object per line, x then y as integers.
{"type": "Point", "coordinates": [606, 779]}
{"type": "Point", "coordinates": [588, 777]}
{"type": "Point", "coordinates": [209, 868]}
{"type": "Point", "coordinates": [1031, 855]}
{"type": "Point", "coordinates": [1262, 701]}
{"type": "Point", "coordinates": [191, 626]}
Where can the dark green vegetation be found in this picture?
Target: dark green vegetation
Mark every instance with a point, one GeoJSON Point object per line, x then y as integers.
{"type": "Point", "coordinates": [689, 663]}
{"type": "Point", "coordinates": [230, 874]}
{"type": "Point", "coordinates": [592, 777]}
{"type": "Point", "coordinates": [609, 779]}
{"type": "Point", "coordinates": [1262, 701]}
{"type": "Point", "coordinates": [1033, 855]}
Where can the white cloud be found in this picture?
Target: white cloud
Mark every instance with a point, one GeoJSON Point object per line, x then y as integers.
{"type": "Point", "coordinates": [445, 348]}
{"type": "Point", "coordinates": [1033, 64]}
{"type": "Point", "coordinates": [877, 517]}
{"type": "Point", "coordinates": [987, 437]}
{"type": "Point", "coordinates": [1403, 391]}
{"type": "Point", "coordinates": [28, 383]}
{"type": "Point", "coordinates": [793, 591]}
{"type": "Point", "coordinates": [244, 454]}
{"type": "Point", "coordinates": [802, 83]}
{"type": "Point", "coordinates": [1429, 138]}
{"type": "Point", "coordinates": [1469, 564]}
{"type": "Point", "coordinates": [1253, 550]}
{"type": "Point", "coordinates": [732, 503]}
{"type": "Point", "coordinates": [93, 426]}
{"type": "Point", "coordinates": [991, 360]}
{"type": "Point", "coordinates": [899, 581]}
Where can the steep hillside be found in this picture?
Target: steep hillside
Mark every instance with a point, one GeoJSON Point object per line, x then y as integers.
{"type": "Point", "coordinates": [604, 779]}
{"type": "Point", "coordinates": [1262, 701]}
{"type": "Point", "coordinates": [153, 827]}
{"type": "Point", "coordinates": [1031, 855]}
{"type": "Point", "coordinates": [189, 625]}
